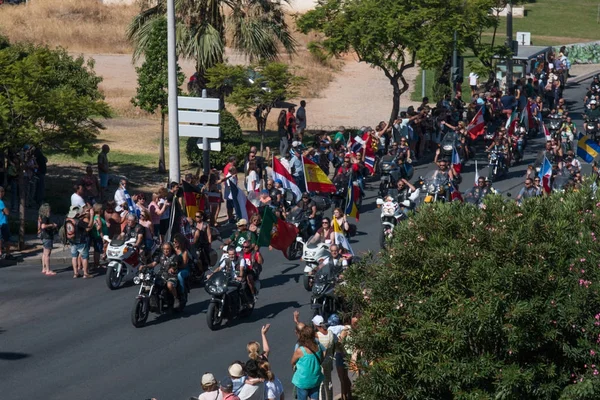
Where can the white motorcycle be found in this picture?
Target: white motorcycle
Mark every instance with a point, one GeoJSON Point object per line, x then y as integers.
{"type": "Point", "coordinates": [393, 212]}
{"type": "Point", "coordinates": [313, 252]}
{"type": "Point", "coordinates": [124, 261]}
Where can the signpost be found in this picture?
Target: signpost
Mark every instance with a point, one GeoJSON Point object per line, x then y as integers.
{"type": "Point", "coordinates": [199, 117]}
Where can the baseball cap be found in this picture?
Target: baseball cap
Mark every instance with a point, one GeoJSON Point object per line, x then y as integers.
{"type": "Point", "coordinates": [227, 384]}
{"type": "Point", "coordinates": [73, 212]}
{"type": "Point", "coordinates": [305, 195]}
{"type": "Point", "coordinates": [279, 181]}
{"type": "Point", "coordinates": [235, 370]}
{"type": "Point", "coordinates": [208, 379]}
{"type": "Point", "coordinates": [242, 222]}
{"type": "Point", "coordinates": [318, 320]}
{"type": "Point", "coordinates": [333, 320]}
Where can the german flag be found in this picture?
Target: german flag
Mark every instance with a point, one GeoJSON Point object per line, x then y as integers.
{"type": "Point", "coordinates": [194, 199]}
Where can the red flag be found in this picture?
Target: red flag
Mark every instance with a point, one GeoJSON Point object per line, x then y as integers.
{"type": "Point", "coordinates": [284, 236]}
{"type": "Point", "coordinates": [369, 155]}
{"type": "Point", "coordinates": [316, 179]}
{"type": "Point", "coordinates": [477, 126]}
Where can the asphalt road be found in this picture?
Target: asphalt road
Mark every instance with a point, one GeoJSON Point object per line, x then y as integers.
{"type": "Point", "coordinates": [72, 339]}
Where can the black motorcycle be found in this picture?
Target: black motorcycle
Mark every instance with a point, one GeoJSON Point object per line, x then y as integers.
{"type": "Point", "coordinates": [323, 301]}
{"type": "Point", "coordinates": [299, 218]}
{"type": "Point", "coordinates": [154, 296]}
{"type": "Point", "coordinates": [229, 299]}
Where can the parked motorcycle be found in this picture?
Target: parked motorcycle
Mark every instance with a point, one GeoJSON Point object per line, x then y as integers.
{"type": "Point", "coordinates": [229, 300]}
{"type": "Point", "coordinates": [314, 251]}
{"type": "Point", "coordinates": [154, 296]}
{"type": "Point", "coordinates": [123, 261]}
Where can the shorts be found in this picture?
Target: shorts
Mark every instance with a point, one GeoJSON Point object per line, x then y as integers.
{"type": "Point", "coordinates": [82, 249]}
{"type": "Point", "coordinates": [103, 180]}
{"type": "Point", "coordinates": [48, 244]}
{"type": "Point", "coordinates": [4, 233]}
{"type": "Point", "coordinates": [98, 245]}
{"type": "Point", "coordinates": [474, 88]}
{"type": "Point", "coordinates": [164, 226]}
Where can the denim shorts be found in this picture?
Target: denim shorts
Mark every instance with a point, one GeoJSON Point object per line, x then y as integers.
{"type": "Point", "coordinates": [4, 232]}
{"type": "Point", "coordinates": [304, 394]}
{"type": "Point", "coordinates": [48, 244]}
{"type": "Point", "coordinates": [82, 249]}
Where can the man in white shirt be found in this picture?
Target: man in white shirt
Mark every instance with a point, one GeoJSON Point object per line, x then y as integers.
{"type": "Point", "coordinates": [77, 199]}
{"type": "Point", "coordinates": [120, 196]}
{"type": "Point", "coordinates": [473, 82]}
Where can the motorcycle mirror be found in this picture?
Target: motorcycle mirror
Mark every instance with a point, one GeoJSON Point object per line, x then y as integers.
{"type": "Point", "coordinates": [379, 202]}
{"type": "Point", "coordinates": [508, 194]}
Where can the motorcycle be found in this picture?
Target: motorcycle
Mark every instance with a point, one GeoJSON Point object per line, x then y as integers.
{"type": "Point", "coordinates": [450, 141]}
{"type": "Point", "coordinates": [300, 220]}
{"type": "Point", "coordinates": [229, 299]}
{"type": "Point", "coordinates": [154, 296]}
{"type": "Point", "coordinates": [323, 300]}
{"type": "Point", "coordinates": [554, 124]}
{"type": "Point", "coordinates": [123, 261]}
{"type": "Point", "coordinates": [392, 213]}
{"type": "Point", "coordinates": [392, 170]}
{"type": "Point", "coordinates": [593, 129]}
{"type": "Point", "coordinates": [313, 253]}
{"type": "Point", "coordinates": [436, 187]}
{"type": "Point", "coordinates": [497, 165]}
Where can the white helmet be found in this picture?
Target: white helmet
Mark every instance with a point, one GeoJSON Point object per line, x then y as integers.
{"type": "Point", "coordinates": [592, 102]}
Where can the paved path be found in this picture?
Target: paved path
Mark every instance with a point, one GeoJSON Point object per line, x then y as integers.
{"type": "Point", "coordinates": [62, 338]}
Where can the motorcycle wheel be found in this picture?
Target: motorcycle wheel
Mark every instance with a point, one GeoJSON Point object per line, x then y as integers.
{"type": "Point", "coordinates": [295, 250]}
{"type": "Point", "coordinates": [212, 316]}
{"type": "Point", "coordinates": [306, 283]}
{"type": "Point", "coordinates": [139, 313]}
{"type": "Point", "coordinates": [382, 238]}
{"type": "Point", "coordinates": [247, 311]}
{"type": "Point", "coordinates": [112, 280]}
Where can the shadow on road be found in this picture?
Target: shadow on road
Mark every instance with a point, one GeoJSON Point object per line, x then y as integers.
{"type": "Point", "coordinates": [280, 279]}
{"type": "Point", "coordinates": [12, 356]}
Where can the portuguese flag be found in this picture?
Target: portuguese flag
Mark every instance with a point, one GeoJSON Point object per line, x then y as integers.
{"type": "Point", "coordinates": [276, 232]}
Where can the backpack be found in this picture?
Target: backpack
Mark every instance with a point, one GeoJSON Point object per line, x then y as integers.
{"type": "Point", "coordinates": [70, 229]}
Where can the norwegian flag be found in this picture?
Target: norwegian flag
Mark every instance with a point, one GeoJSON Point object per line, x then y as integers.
{"type": "Point", "coordinates": [369, 155]}
{"type": "Point", "coordinates": [477, 126]}
{"type": "Point", "coordinates": [356, 144]}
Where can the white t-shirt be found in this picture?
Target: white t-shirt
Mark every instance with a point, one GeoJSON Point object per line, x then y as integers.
{"type": "Point", "coordinates": [251, 181]}
{"type": "Point", "coordinates": [473, 79]}
{"type": "Point", "coordinates": [77, 200]}
{"type": "Point", "coordinates": [274, 389]}
{"type": "Point", "coordinates": [252, 392]}
{"type": "Point", "coordinates": [214, 395]}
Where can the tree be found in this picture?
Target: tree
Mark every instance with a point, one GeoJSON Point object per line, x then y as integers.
{"type": "Point", "coordinates": [387, 34]}
{"type": "Point", "coordinates": [153, 81]}
{"type": "Point", "coordinates": [257, 29]}
{"type": "Point", "coordinates": [481, 304]}
{"type": "Point", "coordinates": [47, 98]}
{"type": "Point", "coordinates": [261, 86]}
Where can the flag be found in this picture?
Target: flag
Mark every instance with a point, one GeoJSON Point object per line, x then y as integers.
{"type": "Point", "coordinates": [352, 199]}
{"type": "Point", "coordinates": [476, 174]}
{"type": "Point", "coordinates": [356, 144]}
{"type": "Point", "coordinates": [276, 232]}
{"type": "Point", "coordinates": [279, 172]}
{"type": "Point", "coordinates": [513, 124]}
{"type": "Point", "coordinates": [527, 116]}
{"type": "Point", "coordinates": [369, 156]}
{"type": "Point", "coordinates": [130, 204]}
{"type": "Point", "coordinates": [316, 179]}
{"type": "Point", "coordinates": [194, 199]}
{"type": "Point", "coordinates": [456, 161]}
{"type": "Point", "coordinates": [587, 149]}
{"type": "Point", "coordinates": [243, 207]}
{"type": "Point", "coordinates": [510, 120]}
{"type": "Point", "coordinates": [340, 238]}
{"type": "Point", "coordinates": [477, 125]}
{"type": "Point", "coordinates": [545, 174]}
{"type": "Point", "coordinates": [455, 194]}
{"type": "Point", "coordinates": [546, 132]}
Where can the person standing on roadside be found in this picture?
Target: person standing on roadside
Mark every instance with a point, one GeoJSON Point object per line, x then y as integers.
{"type": "Point", "coordinates": [307, 360]}
{"type": "Point", "coordinates": [4, 230]}
{"type": "Point", "coordinates": [301, 119]}
{"type": "Point", "coordinates": [77, 199]}
{"type": "Point", "coordinates": [46, 230]}
{"type": "Point", "coordinates": [328, 340]}
{"type": "Point", "coordinates": [99, 230]}
{"type": "Point", "coordinates": [284, 138]}
{"type": "Point", "coordinates": [103, 171]}
{"type": "Point", "coordinates": [80, 244]}
{"type": "Point", "coordinates": [290, 122]}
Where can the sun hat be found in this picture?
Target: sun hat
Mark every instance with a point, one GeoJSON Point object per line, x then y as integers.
{"type": "Point", "coordinates": [208, 379]}
{"type": "Point", "coordinates": [235, 371]}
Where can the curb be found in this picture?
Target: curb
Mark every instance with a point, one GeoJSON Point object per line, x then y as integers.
{"type": "Point", "coordinates": [580, 78]}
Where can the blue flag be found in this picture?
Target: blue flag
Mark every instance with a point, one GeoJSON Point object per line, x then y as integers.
{"type": "Point", "coordinates": [587, 149]}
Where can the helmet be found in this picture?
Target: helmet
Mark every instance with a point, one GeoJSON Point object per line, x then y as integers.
{"type": "Point", "coordinates": [333, 320]}
{"type": "Point", "coordinates": [592, 102]}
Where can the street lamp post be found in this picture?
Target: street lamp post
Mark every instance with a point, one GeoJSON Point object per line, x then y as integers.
{"type": "Point", "coordinates": [172, 79]}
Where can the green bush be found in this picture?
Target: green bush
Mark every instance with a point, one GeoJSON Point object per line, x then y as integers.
{"type": "Point", "coordinates": [232, 144]}
{"type": "Point", "coordinates": [500, 303]}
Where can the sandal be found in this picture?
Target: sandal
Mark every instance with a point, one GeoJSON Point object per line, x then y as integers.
{"type": "Point", "coordinates": [75, 276]}
{"type": "Point", "coordinates": [50, 273]}
{"type": "Point", "coordinates": [87, 276]}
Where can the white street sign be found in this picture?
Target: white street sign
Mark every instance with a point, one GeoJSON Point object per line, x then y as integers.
{"type": "Point", "coordinates": [197, 103]}
{"type": "Point", "coordinates": [211, 132]}
{"type": "Point", "coordinates": [215, 145]}
{"type": "Point", "coordinates": [199, 117]}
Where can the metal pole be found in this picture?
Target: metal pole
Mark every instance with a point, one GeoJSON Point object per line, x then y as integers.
{"type": "Point", "coordinates": [173, 119]}
{"type": "Point", "coordinates": [423, 83]}
{"type": "Point", "coordinates": [509, 44]}
{"type": "Point", "coordinates": [205, 147]}
{"type": "Point", "coordinates": [454, 64]}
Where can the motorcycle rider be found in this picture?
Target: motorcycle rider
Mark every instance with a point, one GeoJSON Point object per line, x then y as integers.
{"type": "Point", "coordinates": [479, 191]}
{"type": "Point", "coordinates": [232, 266]}
{"type": "Point", "coordinates": [325, 234]}
{"type": "Point", "coordinates": [242, 235]}
{"type": "Point", "coordinates": [309, 207]}
{"type": "Point", "coordinates": [402, 194]}
{"type": "Point", "coordinates": [336, 263]}
{"type": "Point", "coordinates": [528, 191]}
{"type": "Point", "coordinates": [202, 238]}
{"type": "Point", "coordinates": [133, 230]}
{"type": "Point", "coordinates": [169, 268]}
{"type": "Point", "coordinates": [553, 152]}
{"type": "Point", "coordinates": [567, 131]}
{"type": "Point", "coordinates": [448, 173]}
{"type": "Point", "coordinates": [591, 114]}
{"type": "Point", "coordinates": [251, 262]}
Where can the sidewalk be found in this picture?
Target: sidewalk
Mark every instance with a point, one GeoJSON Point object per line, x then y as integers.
{"type": "Point", "coordinates": [581, 72]}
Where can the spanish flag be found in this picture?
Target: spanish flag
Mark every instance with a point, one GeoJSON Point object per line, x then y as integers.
{"type": "Point", "coordinates": [587, 149]}
{"type": "Point", "coordinates": [194, 199]}
{"type": "Point", "coordinates": [316, 179]}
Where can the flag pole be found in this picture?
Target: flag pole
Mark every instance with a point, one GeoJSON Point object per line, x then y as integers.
{"type": "Point", "coordinates": [304, 172]}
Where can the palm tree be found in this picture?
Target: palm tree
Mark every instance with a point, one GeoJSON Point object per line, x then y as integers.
{"type": "Point", "coordinates": [256, 28]}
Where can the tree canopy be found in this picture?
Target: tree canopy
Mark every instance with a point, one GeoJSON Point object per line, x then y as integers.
{"type": "Point", "coordinates": [500, 303]}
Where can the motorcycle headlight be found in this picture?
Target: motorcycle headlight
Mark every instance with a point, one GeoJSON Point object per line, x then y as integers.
{"type": "Point", "coordinates": [137, 280]}
{"type": "Point", "coordinates": [447, 147]}
{"type": "Point", "coordinates": [431, 188]}
{"type": "Point", "coordinates": [318, 288]}
{"type": "Point", "coordinates": [147, 277]}
{"type": "Point", "coordinates": [494, 157]}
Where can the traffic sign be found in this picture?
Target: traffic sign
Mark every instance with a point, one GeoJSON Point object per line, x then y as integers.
{"type": "Point", "coordinates": [197, 103]}
{"type": "Point", "coordinates": [215, 145]}
{"type": "Point", "coordinates": [199, 117]}
{"type": "Point", "coordinates": [211, 132]}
